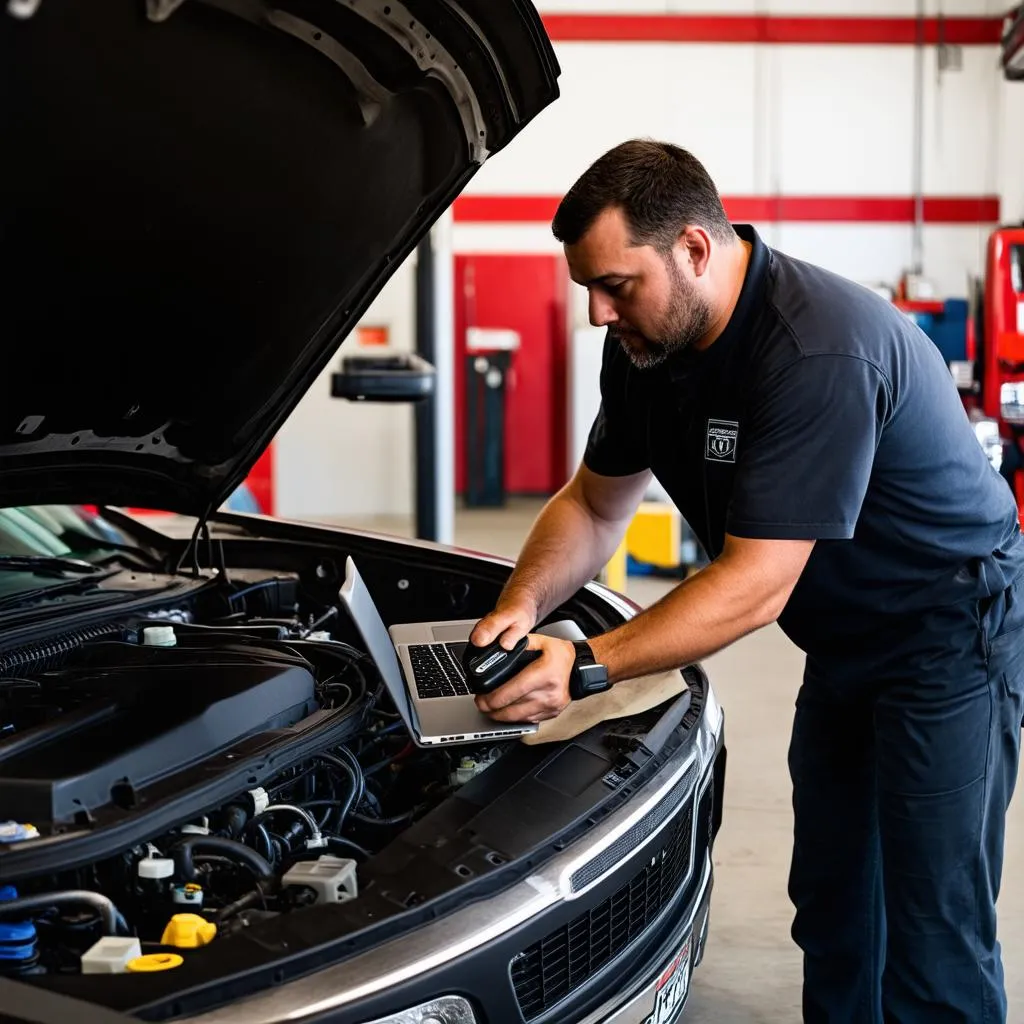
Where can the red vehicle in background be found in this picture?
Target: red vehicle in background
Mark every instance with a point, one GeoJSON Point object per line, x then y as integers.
{"type": "Point", "coordinates": [992, 380]}
{"type": "Point", "coordinates": [991, 377]}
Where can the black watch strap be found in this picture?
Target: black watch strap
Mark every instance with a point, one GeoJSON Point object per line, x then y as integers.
{"type": "Point", "coordinates": [588, 675]}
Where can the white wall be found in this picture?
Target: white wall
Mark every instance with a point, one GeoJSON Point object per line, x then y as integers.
{"type": "Point", "coordinates": [1010, 151]}
{"type": "Point", "coordinates": [792, 120]}
{"type": "Point", "coordinates": [832, 120]}
{"type": "Point", "coordinates": [339, 458]}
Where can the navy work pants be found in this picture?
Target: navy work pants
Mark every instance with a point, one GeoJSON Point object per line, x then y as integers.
{"type": "Point", "coordinates": [901, 781]}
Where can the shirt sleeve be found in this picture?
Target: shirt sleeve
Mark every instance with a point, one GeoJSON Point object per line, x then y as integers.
{"type": "Point", "coordinates": [617, 444]}
{"type": "Point", "coordinates": [804, 466]}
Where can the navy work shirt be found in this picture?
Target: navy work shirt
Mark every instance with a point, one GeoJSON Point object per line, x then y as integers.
{"type": "Point", "coordinates": [821, 412]}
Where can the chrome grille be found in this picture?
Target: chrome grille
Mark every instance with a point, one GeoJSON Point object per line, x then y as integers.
{"type": "Point", "coordinates": [567, 957]}
{"type": "Point", "coordinates": [629, 841]}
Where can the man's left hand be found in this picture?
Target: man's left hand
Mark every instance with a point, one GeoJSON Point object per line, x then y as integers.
{"type": "Point", "coordinates": [540, 691]}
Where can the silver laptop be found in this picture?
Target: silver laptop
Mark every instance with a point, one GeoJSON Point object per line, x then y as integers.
{"type": "Point", "coordinates": [421, 666]}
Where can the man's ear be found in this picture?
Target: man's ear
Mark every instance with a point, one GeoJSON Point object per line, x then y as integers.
{"type": "Point", "coordinates": [696, 244]}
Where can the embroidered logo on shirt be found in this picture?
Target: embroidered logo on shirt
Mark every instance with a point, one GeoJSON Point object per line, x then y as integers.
{"type": "Point", "coordinates": [721, 441]}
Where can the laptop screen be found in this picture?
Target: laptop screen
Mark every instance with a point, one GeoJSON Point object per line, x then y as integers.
{"type": "Point", "coordinates": [363, 611]}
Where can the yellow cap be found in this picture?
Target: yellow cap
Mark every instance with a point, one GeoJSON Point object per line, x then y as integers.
{"type": "Point", "coordinates": [154, 962]}
{"type": "Point", "coordinates": [188, 931]}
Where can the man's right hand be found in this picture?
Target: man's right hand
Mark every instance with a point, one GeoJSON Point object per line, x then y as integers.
{"type": "Point", "coordinates": [511, 622]}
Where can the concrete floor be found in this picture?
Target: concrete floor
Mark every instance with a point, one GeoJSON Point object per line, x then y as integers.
{"type": "Point", "coordinates": [751, 972]}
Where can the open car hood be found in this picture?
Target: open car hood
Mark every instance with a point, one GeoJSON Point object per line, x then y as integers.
{"type": "Point", "coordinates": [1013, 45]}
{"type": "Point", "coordinates": [199, 201]}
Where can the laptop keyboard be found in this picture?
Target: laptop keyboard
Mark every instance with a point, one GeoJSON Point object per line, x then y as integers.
{"type": "Point", "coordinates": [437, 670]}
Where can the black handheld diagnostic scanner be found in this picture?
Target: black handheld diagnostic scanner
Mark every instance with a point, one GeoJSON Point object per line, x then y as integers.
{"type": "Point", "coordinates": [488, 667]}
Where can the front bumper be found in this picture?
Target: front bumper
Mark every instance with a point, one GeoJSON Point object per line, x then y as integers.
{"type": "Point", "coordinates": [579, 941]}
{"type": "Point", "coordinates": [641, 1002]}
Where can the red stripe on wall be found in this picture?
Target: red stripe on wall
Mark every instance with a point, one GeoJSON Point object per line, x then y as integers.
{"type": "Point", "coordinates": [482, 209]}
{"type": "Point", "coordinates": [684, 28]}
{"type": "Point", "coordinates": [504, 209]}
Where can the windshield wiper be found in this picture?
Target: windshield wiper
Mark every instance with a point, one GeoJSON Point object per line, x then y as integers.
{"type": "Point", "coordinates": [46, 564]}
{"type": "Point", "coordinates": [78, 585]}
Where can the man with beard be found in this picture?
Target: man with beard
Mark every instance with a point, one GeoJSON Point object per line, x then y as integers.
{"type": "Point", "coordinates": [812, 437]}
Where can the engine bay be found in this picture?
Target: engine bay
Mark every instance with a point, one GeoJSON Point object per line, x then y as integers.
{"type": "Point", "coordinates": [218, 793]}
{"type": "Point", "coordinates": [123, 724]}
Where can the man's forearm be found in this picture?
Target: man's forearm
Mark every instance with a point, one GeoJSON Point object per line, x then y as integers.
{"type": "Point", "coordinates": [566, 548]}
{"type": "Point", "coordinates": [709, 611]}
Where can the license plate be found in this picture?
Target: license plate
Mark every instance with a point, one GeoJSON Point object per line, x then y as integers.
{"type": "Point", "coordinates": [671, 989]}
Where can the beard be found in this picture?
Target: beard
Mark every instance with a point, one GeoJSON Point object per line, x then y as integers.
{"type": "Point", "coordinates": [687, 318]}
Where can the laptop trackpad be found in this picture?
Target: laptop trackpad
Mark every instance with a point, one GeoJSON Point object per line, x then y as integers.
{"type": "Point", "coordinates": [454, 631]}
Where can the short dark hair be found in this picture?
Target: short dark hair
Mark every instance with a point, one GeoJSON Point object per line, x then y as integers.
{"type": "Point", "coordinates": [660, 189]}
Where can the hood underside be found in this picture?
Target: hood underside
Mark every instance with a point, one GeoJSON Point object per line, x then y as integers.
{"type": "Point", "coordinates": [1013, 45]}
{"type": "Point", "coordinates": [199, 201]}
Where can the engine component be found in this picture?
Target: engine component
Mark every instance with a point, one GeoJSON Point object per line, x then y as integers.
{"type": "Point", "coordinates": [189, 895]}
{"type": "Point", "coordinates": [472, 765]}
{"type": "Point", "coordinates": [155, 869]}
{"type": "Point", "coordinates": [15, 832]}
{"type": "Point", "coordinates": [333, 879]}
{"type": "Point", "coordinates": [108, 744]}
{"type": "Point", "coordinates": [260, 800]}
{"type": "Point", "coordinates": [110, 955]}
{"type": "Point", "coordinates": [315, 840]}
{"type": "Point", "coordinates": [154, 962]}
{"type": "Point", "coordinates": [159, 636]}
{"type": "Point", "coordinates": [225, 847]}
{"type": "Point", "coordinates": [188, 931]}
{"type": "Point", "coordinates": [19, 952]}
{"type": "Point", "coordinates": [110, 915]}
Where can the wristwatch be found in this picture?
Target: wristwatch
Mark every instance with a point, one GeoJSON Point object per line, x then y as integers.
{"type": "Point", "coordinates": [588, 675]}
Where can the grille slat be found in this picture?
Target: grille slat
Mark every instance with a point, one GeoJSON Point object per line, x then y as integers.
{"type": "Point", "coordinates": [625, 844]}
{"type": "Point", "coordinates": [567, 957]}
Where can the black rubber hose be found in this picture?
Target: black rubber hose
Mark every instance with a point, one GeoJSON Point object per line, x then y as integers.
{"type": "Point", "coordinates": [184, 850]}
{"type": "Point", "coordinates": [250, 899]}
{"type": "Point", "coordinates": [350, 800]}
{"type": "Point", "coordinates": [351, 758]}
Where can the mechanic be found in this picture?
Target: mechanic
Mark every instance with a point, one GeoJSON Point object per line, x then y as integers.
{"type": "Point", "coordinates": [812, 437]}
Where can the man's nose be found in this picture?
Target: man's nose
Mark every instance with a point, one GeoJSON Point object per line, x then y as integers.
{"type": "Point", "coordinates": [602, 310]}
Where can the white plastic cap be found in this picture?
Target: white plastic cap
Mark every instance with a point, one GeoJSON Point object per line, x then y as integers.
{"type": "Point", "coordinates": [159, 636]}
{"type": "Point", "coordinates": [260, 800]}
{"type": "Point", "coordinates": [156, 867]}
{"type": "Point", "coordinates": [110, 955]}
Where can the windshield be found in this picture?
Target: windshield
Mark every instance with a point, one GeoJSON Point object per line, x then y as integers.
{"type": "Point", "coordinates": [47, 551]}
{"type": "Point", "coordinates": [57, 530]}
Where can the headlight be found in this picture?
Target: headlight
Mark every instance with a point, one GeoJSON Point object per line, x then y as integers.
{"type": "Point", "coordinates": [1011, 402]}
{"type": "Point", "coordinates": [987, 433]}
{"type": "Point", "coordinates": [446, 1010]}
